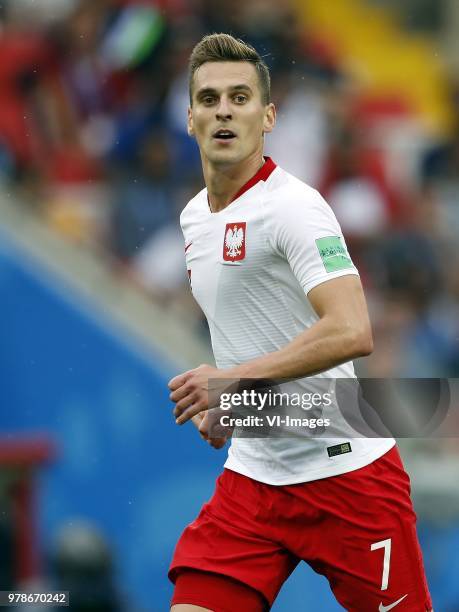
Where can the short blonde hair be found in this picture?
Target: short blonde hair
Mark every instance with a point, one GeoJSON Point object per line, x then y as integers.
{"type": "Point", "coordinates": [226, 48]}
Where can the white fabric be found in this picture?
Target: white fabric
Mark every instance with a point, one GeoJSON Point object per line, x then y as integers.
{"type": "Point", "coordinates": [259, 304]}
{"type": "Point", "coordinates": [159, 264]}
{"type": "Point", "coordinates": [360, 207]}
{"type": "Point", "coordinates": [302, 123]}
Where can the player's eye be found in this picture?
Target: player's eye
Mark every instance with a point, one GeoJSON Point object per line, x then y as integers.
{"type": "Point", "coordinates": [240, 98]}
{"type": "Point", "coordinates": [208, 100]}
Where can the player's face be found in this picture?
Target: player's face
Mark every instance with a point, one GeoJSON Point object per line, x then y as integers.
{"type": "Point", "coordinates": [228, 117]}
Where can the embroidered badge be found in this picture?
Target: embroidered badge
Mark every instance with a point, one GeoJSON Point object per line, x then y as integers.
{"type": "Point", "coordinates": [234, 241]}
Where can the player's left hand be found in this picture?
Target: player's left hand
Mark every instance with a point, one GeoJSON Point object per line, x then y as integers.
{"type": "Point", "coordinates": [210, 430]}
{"type": "Point", "coordinates": [190, 391]}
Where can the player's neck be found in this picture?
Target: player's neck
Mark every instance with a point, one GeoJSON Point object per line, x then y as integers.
{"type": "Point", "coordinates": [224, 181]}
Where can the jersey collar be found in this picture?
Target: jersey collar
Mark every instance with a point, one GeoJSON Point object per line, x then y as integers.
{"type": "Point", "coordinates": [262, 175]}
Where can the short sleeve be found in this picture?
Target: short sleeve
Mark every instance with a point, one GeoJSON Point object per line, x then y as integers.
{"type": "Point", "coordinates": [307, 233]}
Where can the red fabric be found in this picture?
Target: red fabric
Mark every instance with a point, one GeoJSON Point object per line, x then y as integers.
{"type": "Point", "coordinates": [262, 175]}
{"type": "Point", "coordinates": [71, 164]}
{"type": "Point", "coordinates": [206, 589]}
{"type": "Point", "coordinates": [23, 57]}
{"type": "Point", "coordinates": [371, 164]}
{"type": "Point", "coordinates": [373, 108]}
{"type": "Point", "coordinates": [24, 521]}
{"type": "Point", "coordinates": [257, 533]}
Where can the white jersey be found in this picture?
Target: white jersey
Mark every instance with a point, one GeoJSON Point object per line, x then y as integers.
{"type": "Point", "coordinates": [251, 267]}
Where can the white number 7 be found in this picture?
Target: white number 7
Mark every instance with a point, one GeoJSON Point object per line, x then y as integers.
{"type": "Point", "coordinates": [386, 544]}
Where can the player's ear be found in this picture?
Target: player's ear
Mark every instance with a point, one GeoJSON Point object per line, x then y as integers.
{"type": "Point", "coordinates": [190, 122]}
{"type": "Point", "coordinates": [269, 120]}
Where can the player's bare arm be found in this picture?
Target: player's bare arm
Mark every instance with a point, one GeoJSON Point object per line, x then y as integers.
{"type": "Point", "coordinates": [343, 332]}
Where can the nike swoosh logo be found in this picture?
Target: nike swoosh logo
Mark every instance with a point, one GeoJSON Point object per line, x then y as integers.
{"type": "Point", "coordinates": [188, 246]}
{"type": "Point", "coordinates": [392, 605]}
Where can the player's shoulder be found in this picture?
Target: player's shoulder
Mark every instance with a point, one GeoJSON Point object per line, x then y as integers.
{"type": "Point", "coordinates": [284, 191]}
{"type": "Point", "coordinates": [197, 204]}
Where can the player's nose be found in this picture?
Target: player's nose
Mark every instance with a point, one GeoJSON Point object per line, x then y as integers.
{"type": "Point", "coordinates": [223, 110]}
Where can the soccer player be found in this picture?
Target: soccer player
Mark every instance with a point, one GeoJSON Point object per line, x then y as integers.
{"type": "Point", "coordinates": [269, 267]}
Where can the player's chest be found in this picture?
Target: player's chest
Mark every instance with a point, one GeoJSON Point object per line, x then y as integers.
{"type": "Point", "coordinates": [225, 251]}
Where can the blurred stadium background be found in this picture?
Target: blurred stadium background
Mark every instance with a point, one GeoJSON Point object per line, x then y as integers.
{"type": "Point", "coordinates": [96, 482]}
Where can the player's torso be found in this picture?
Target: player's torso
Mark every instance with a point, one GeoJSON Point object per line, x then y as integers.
{"type": "Point", "coordinates": [246, 289]}
{"type": "Point", "coordinates": [254, 305]}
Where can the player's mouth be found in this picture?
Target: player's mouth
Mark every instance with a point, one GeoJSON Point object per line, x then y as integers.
{"type": "Point", "coordinates": [224, 135]}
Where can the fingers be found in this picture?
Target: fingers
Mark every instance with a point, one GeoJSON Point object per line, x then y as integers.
{"type": "Point", "coordinates": [188, 413]}
{"type": "Point", "coordinates": [203, 428]}
{"type": "Point", "coordinates": [180, 393]}
{"type": "Point", "coordinates": [189, 406]}
{"type": "Point", "coordinates": [188, 397]}
{"type": "Point", "coordinates": [178, 381]}
{"type": "Point", "coordinates": [181, 379]}
{"type": "Point", "coordinates": [189, 392]}
{"type": "Point", "coordinates": [188, 402]}
{"type": "Point", "coordinates": [197, 420]}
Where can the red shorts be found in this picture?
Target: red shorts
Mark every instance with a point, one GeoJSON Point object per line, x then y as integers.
{"type": "Point", "coordinates": [357, 529]}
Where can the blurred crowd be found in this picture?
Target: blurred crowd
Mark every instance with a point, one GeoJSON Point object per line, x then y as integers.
{"type": "Point", "coordinates": [93, 98]}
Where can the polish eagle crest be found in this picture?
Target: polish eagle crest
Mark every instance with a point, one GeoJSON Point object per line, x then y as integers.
{"type": "Point", "coordinates": [234, 240]}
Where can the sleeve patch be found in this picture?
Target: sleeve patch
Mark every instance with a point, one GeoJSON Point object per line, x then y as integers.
{"type": "Point", "coordinates": [333, 253]}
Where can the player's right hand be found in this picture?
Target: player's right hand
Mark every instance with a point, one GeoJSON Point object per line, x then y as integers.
{"type": "Point", "coordinates": [190, 391]}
